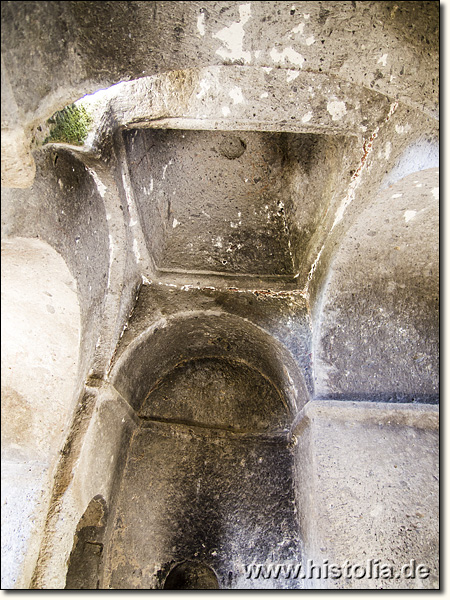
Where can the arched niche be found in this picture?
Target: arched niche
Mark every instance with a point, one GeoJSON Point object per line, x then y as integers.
{"type": "Point", "coordinates": [40, 349]}
{"type": "Point", "coordinates": [377, 334]}
{"type": "Point", "coordinates": [213, 340]}
{"type": "Point", "coordinates": [191, 575]}
{"type": "Point", "coordinates": [218, 393]}
{"type": "Point", "coordinates": [210, 467]}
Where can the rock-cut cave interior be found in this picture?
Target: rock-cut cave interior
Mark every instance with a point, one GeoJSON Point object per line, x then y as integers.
{"type": "Point", "coordinates": [220, 295]}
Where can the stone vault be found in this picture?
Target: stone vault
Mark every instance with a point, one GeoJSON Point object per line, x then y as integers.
{"type": "Point", "coordinates": [220, 341]}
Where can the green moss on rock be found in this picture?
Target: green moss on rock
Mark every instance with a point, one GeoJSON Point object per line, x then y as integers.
{"type": "Point", "coordinates": [70, 125]}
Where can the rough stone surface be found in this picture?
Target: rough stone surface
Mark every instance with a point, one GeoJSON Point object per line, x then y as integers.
{"type": "Point", "coordinates": [188, 183]}
{"type": "Point", "coordinates": [18, 167]}
{"type": "Point", "coordinates": [24, 500]}
{"type": "Point", "coordinates": [379, 338]}
{"type": "Point", "coordinates": [250, 230]}
{"type": "Point", "coordinates": [167, 343]}
{"type": "Point", "coordinates": [83, 571]}
{"type": "Point", "coordinates": [341, 38]}
{"type": "Point", "coordinates": [361, 495]}
{"type": "Point", "coordinates": [188, 494]}
{"type": "Point", "coordinates": [95, 457]}
{"type": "Point", "coordinates": [217, 394]}
{"type": "Point", "coordinates": [66, 211]}
{"type": "Point", "coordinates": [204, 209]}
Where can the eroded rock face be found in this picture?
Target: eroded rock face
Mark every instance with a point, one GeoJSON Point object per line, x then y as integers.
{"type": "Point", "coordinates": [251, 230]}
{"type": "Point", "coordinates": [18, 167]}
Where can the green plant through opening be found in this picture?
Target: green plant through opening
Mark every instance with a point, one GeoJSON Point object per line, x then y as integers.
{"type": "Point", "coordinates": [70, 125]}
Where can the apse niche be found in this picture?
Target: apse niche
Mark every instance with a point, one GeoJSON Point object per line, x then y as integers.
{"type": "Point", "coordinates": [208, 479]}
{"type": "Point", "coordinates": [222, 362]}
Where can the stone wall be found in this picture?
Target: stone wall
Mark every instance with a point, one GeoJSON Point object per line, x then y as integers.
{"type": "Point", "coordinates": [248, 242]}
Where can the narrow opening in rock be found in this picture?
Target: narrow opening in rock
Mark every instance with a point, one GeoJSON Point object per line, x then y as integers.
{"type": "Point", "coordinates": [191, 575]}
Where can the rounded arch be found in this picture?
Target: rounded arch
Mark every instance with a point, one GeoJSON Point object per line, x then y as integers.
{"type": "Point", "coordinates": [191, 575]}
{"type": "Point", "coordinates": [377, 334]}
{"type": "Point", "coordinates": [204, 336]}
{"type": "Point", "coordinates": [420, 155]}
